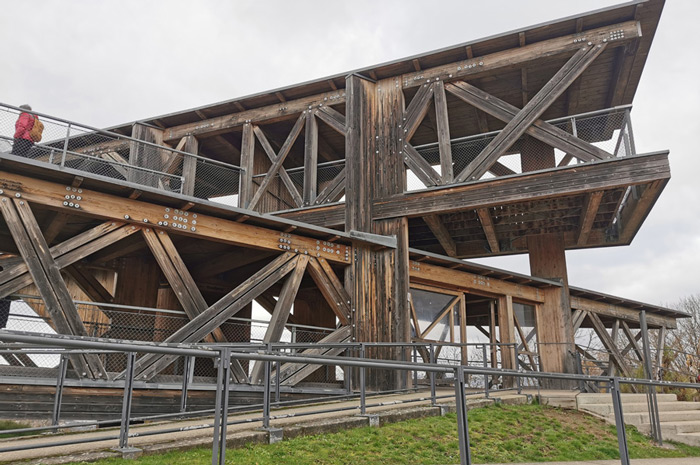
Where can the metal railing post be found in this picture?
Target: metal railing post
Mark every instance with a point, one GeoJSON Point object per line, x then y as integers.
{"type": "Point", "coordinates": [518, 380]}
{"type": "Point", "coordinates": [619, 421]}
{"type": "Point", "coordinates": [218, 447]}
{"type": "Point", "coordinates": [415, 372]}
{"type": "Point", "coordinates": [433, 396]}
{"type": "Point", "coordinates": [363, 408]}
{"type": "Point", "coordinates": [65, 146]}
{"type": "Point", "coordinates": [266, 396]}
{"type": "Point", "coordinates": [58, 398]}
{"type": "Point", "coordinates": [278, 366]}
{"type": "Point", "coordinates": [126, 403]}
{"type": "Point", "coordinates": [486, 364]}
{"type": "Point", "coordinates": [630, 133]}
{"type": "Point", "coordinates": [189, 363]}
{"type": "Point", "coordinates": [465, 455]}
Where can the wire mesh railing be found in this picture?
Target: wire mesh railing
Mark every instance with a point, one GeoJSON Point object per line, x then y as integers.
{"type": "Point", "coordinates": [68, 145]}
{"type": "Point", "coordinates": [609, 131]}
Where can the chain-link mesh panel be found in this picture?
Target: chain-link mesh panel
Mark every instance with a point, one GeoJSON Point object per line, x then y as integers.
{"type": "Point", "coordinates": [134, 324]}
{"type": "Point", "coordinates": [101, 153]}
{"type": "Point", "coordinates": [609, 131]}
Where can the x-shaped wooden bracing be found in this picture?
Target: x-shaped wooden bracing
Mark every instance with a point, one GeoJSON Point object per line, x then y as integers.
{"type": "Point", "coordinates": [308, 121]}
{"type": "Point", "coordinates": [519, 122]}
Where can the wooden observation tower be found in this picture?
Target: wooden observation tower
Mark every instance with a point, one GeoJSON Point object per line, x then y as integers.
{"type": "Point", "coordinates": [350, 203]}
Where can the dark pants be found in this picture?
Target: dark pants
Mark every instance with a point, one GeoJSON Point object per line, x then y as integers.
{"type": "Point", "coordinates": [22, 147]}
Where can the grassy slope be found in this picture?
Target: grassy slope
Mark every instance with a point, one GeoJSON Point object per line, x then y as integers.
{"type": "Point", "coordinates": [527, 433]}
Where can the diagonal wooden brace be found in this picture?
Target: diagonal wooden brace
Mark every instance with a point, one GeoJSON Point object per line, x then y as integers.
{"type": "Point", "coordinates": [267, 148]}
{"type": "Point", "coordinates": [531, 112]}
{"type": "Point", "coordinates": [541, 130]}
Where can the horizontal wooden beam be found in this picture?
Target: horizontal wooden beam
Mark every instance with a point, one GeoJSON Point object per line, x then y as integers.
{"type": "Point", "coordinates": [619, 312]}
{"type": "Point", "coordinates": [614, 35]}
{"type": "Point", "coordinates": [107, 206]}
{"type": "Point", "coordinates": [464, 281]}
{"type": "Point", "coordinates": [557, 182]}
{"type": "Point", "coordinates": [268, 114]}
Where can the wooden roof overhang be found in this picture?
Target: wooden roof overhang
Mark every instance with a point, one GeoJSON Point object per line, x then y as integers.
{"type": "Point", "coordinates": [593, 205]}
{"type": "Point", "coordinates": [611, 81]}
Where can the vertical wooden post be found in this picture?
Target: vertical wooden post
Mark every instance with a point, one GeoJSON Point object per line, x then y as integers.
{"type": "Point", "coordinates": [554, 326]}
{"type": "Point", "coordinates": [245, 189]}
{"type": "Point", "coordinates": [145, 156]}
{"type": "Point", "coordinates": [506, 330]}
{"type": "Point", "coordinates": [310, 158]}
{"type": "Point", "coordinates": [189, 165]}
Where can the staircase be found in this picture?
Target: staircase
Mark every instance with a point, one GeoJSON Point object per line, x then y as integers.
{"type": "Point", "coordinates": [680, 421]}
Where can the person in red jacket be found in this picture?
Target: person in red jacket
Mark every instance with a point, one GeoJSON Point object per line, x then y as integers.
{"type": "Point", "coordinates": [23, 126]}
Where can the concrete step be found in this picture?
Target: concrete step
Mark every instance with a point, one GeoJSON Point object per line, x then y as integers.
{"type": "Point", "coordinates": [692, 439]}
{"type": "Point", "coordinates": [664, 417]}
{"type": "Point", "coordinates": [630, 408]}
{"type": "Point", "coordinates": [681, 427]}
{"type": "Point", "coordinates": [585, 399]}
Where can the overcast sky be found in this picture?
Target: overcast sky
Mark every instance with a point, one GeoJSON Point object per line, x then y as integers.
{"type": "Point", "coordinates": [111, 62]}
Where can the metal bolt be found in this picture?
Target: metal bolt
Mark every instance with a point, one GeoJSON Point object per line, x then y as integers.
{"type": "Point", "coordinates": [145, 220]}
{"type": "Point", "coordinates": [18, 195]}
{"type": "Point", "coordinates": [77, 205]}
{"type": "Point", "coordinates": [65, 203]}
{"type": "Point", "coordinates": [126, 217]}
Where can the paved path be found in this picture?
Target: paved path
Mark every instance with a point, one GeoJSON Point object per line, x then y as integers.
{"type": "Point", "coordinates": [674, 461]}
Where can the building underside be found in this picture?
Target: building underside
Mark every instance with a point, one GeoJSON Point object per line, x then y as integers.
{"type": "Point", "coordinates": [348, 204]}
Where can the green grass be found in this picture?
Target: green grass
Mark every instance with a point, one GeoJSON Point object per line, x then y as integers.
{"type": "Point", "coordinates": [8, 424]}
{"type": "Point", "coordinates": [528, 433]}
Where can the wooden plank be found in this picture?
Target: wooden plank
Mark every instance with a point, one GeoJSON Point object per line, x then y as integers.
{"type": "Point", "coordinates": [213, 317]}
{"type": "Point", "coordinates": [632, 340]}
{"type": "Point", "coordinates": [540, 129]}
{"type": "Point", "coordinates": [416, 111]}
{"type": "Point", "coordinates": [331, 289]}
{"type": "Point", "coordinates": [506, 329]}
{"type": "Point", "coordinates": [443, 130]}
{"type": "Point", "coordinates": [89, 284]}
{"type": "Point", "coordinates": [245, 190]}
{"type": "Point", "coordinates": [635, 210]}
{"type": "Point", "coordinates": [294, 373]}
{"type": "Point", "coordinates": [524, 342]}
{"type": "Point", "coordinates": [269, 113]}
{"type": "Point", "coordinates": [530, 113]}
{"type": "Point", "coordinates": [441, 234]}
{"type": "Point", "coordinates": [609, 344]}
{"type": "Point", "coordinates": [441, 315]}
{"type": "Point", "coordinates": [577, 319]}
{"type": "Point", "coordinates": [574, 180]}
{"type": "Point", "coordinates": [623, 313]}
{"type": "Point", "coordinates": [208, 227]}
{"type": "Point", "coordinates": [272, 155]}
{"type": "Point", "coordinates": [588, 214]}
{"type": "Point", "coordinates": [420, 167]}
{"type": "Point", "coordinates": [493, 63]}
{"type": "Point", "coordinates": [310, 159]}
{"type": "Point", "coordinates": [489, 229]}
{"type": "Point", "coordinates": [280, 313]}
{"type": "Point", "coordinates": [333, 118]}
{"type": "Point", "coordinates": [47, 278]}
{"type": "Point", "coordinates": [281, 156]}
{"type": "Point", "coordinates": [464, 281]}
{"type": "Point", "coordinates": [189, 165]}
{"type": "Point", "coordinates": [58, 222]}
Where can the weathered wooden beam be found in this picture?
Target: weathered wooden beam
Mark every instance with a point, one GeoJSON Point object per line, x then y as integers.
{"type": "Point", "coordinates": [489, 229]}
{"type": "Point", "coordinates": [331, 288]}
{"type": "Point", "coordinates": [420, 167]}
{"type": "Point", "coordinates": [189, 164]}
{"type": "Point", "coordinates": [333, 191]}
{"type": "Point", "coordinates": [280, 313]}
{"type": "Point", "coordinates": [464, 281]}
{"type": "Point", "coordinates": [272, 155]}
{"type": "Point", "coordinates": [333, 118]}
{"type": "Point", "coordinates": [277, 164]}
{"type": "Point", "coordinates": [245, 189]}
{"type": "Point", "coordinates": [293, 373]}
{"type": "Point", "coordinates": [636, 209]}
{"type": "Point", "coordinates": [443, 130]}
{"type": "Point", "coordinates": [213, 317]}
{"type": "Point", "coordinates": [441, 234]}
{"type": "Point", "coordinates": [310, 159]}
{"type": "Point", "coordinates": [448, 308]}
{"type": "Point", "coordinates": [622, 313]}
{"type": "Point", "coordinates": [531, 112]}
{"type": "Point", "coordinates": [416, 111]}
{"type": "Point", "coordinates": [541, 130]}
{"type": "Point", "coordinates": [115, 208]}
{"type": "Point", "coordinates": [47, 278]}
{"type": "Point", "coordinates": [89, 284]}
{"type": "Point", "coordinates": [566, 181]}
{"type": "Point", "coordinates": [609, 344]}
{"type": "Point", "coordinates": [632, 340]}
{"type": "Point", "coordinates": [269, 114]}
{"type": "Point", "coordinates": [513, 58]}
{"type": "Point", "coordinates": [588, 214]}
{"type": "Point", "coordinates": [57, 223]}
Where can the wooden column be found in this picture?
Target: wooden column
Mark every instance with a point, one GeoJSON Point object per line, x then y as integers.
{"type": "Point", "coordinates": [145, 156]}
{"type": "Point", "coordinates": [554, 325]}
{"type": "Point", "coordinates": [189, 165]}
{"type": "Point", "coordinates": [245, 190]}
{"type": "Point", "coordinates": [506, 330]}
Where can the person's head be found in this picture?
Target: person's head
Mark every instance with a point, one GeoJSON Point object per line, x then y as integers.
{"type": "Point", "coordinates": [26, 107]}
